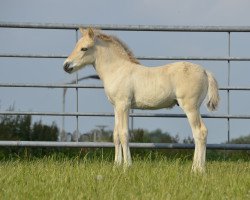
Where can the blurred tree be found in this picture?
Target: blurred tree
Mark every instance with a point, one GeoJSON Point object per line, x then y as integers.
{"type": "Point", "coordinates": [164, 137]}
{"type": "Point", "coordinates": [156, 136]}
{"type": "Point", "coordinates": [138, 135]}
{"type": "Point", "coordinates": [188, 140]}
{"type": "Point", "coordinates": [241, 140]}
{"type": "Point", "coordinates": [15, 127]}
{"type": "Point", "coordinates": [41, 132]}
{"type": "Point", "coordinates": [19, 127]}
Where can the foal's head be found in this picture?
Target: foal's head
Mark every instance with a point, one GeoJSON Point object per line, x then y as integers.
{"type": "Point", "coordinates": [83, 54]}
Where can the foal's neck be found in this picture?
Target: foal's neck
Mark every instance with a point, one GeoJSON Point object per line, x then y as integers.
{"type": "Point", "coordinates": [110, 63]}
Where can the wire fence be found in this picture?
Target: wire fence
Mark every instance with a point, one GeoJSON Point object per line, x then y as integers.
{"type": "Point", "coordinates": [228, 116]}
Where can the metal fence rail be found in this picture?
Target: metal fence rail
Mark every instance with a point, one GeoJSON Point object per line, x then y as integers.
{"type": "Point", "coordinates": [228, 58]}
{"type": "Point", "coordinates": [53, 86]}
{"type": "Point", "coordinates": [111, 145]}
{"type": "Point", "coordinates": [116, 27]}
{"type": "Point", "coordinates": [109, 114]}
{"type": "Point", "coordinates": [225, 58]}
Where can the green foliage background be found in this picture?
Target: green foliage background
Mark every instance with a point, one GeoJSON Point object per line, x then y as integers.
{"type": "Point", "coordinates": [21, 128]}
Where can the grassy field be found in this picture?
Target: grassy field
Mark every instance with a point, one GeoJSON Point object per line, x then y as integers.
{"type": "Point", "coordinates": [162, 178]}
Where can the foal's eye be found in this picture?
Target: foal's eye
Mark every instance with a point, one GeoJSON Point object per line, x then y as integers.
{"type": "Point", "coordinates": [84, 49]}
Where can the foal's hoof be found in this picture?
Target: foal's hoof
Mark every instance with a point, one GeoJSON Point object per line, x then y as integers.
{"type": "Point", "coordinates": [126, 167]}
{"type": "Point", "coordinates": [198, 170]}
{"type": "Point", "coordinates": [117, 166]}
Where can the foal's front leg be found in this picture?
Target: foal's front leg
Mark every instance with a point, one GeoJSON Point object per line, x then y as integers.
{"type": "Point", "coordinates": [117, 143]}
{"type": "Point", "coordinates": [121, 116]}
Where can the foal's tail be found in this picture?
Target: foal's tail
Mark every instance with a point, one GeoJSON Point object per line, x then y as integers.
{"type": "Point", "coordinates": [212, 94]}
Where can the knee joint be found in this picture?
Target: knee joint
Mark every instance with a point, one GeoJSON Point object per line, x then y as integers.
{"type": "Point", "coordinates": [200, 134]}
{"type": "Point", "coordinates": [124, 137]}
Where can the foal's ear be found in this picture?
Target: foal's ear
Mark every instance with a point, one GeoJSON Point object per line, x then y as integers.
{"type": "Point", "coordinates": [91, 33]}
{"type": "Point", "coordinates": [81, 30]}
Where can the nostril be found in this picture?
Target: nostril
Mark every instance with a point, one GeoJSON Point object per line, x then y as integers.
{"type": "Point", "coordinates": [66, 66]}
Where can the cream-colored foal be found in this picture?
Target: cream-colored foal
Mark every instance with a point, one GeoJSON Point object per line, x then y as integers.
{"type": "Point", "coordinates": [128, 85]}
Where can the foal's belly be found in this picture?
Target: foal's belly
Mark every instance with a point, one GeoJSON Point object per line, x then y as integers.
{"type": "Point", "coordinates": [153, 103]}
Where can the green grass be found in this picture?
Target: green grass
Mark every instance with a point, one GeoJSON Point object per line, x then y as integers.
{"type": "Point", "coordinates": [160, 178]}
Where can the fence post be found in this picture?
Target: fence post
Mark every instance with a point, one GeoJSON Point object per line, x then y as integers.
{"type": "Point", "coordinates": [228, 84]}
{"type": "Point", "coordinates": [77, 100]}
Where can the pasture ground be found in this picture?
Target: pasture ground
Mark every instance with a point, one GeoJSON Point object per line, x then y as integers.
{"type": "Point", "coordinates": [160, 178]}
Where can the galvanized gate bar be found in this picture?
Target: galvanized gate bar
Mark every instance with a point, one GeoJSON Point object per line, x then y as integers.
{"type": "Point", "coordinates": [127, 27]}
{"type": "Point", "coordinates": [53, 86]}
{"type": "Point", "coordinates": [111, 145]}
{"type": "Point", "coordinates": [18, 55]}
{"type": "Point", "coordinates": [224, 58]}
{"type": "Point", "coordinates": [193, 58]}
{"type": "Point", "coordinates": [108, 114]}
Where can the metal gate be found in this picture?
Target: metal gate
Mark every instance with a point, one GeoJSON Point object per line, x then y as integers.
{"type": "Point", "coordinates": [228, 116]}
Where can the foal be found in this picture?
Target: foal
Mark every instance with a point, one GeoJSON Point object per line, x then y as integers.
{"type": "Point", "coordinates": [128, 84]}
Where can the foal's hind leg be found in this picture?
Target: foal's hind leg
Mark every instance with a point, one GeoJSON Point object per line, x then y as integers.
{"type": "Point", "coordinates": [199, 131]}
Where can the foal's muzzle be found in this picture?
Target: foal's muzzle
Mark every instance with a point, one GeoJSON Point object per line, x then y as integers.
{"type": "Point", "coordinates": [67, 67]}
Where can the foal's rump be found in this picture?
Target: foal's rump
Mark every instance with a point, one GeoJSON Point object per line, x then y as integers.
{"type": "Point", "coordinates": [193, 83]}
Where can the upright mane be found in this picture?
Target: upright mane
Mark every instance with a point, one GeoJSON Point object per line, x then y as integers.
{"type": "Point", "coordinates": [120, 45]}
